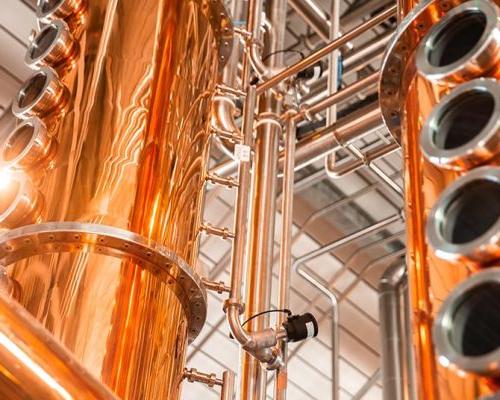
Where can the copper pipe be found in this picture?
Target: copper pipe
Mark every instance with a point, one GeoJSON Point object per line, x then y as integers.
{"type": "Point", "coordinates": [367, 159]}
{"type": "Point", "coordinates": [317, 144]}
{"type": "Point", "coordinates": [227, 390]}
{"type": "Point", "coordinates": [340, 96]}
{"type": "Point", "coordinates": [257, 344]}
{"type": "Point", "coordinates": [381, 151]}
{"type": "Point", "coordinates": [35, 365]}
{"type": "Point", "coordinates": [285, 257]}
{"type": "Point", "coordinates": [333, 137]}
{"type": "Point", "coordinates": [318, 55]}
{"type": "Point", "coordinates": [209, 379]}
{"type": "Point", "coordinates": [261, 242]}
{"type": "Point", "coordinates": [353, 61]}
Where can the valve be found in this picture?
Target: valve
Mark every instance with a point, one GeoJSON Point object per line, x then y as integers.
{"type": "Point", "coordinates": [300, 327]}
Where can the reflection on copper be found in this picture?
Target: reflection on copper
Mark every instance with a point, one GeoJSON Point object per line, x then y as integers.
{"type": "Point", "coordinates": [132, 150]}
{"type": "Point", "coordinates": [21, 203]}
{"type": "Point", "coordinates": [431, 277]}
{"type": "Point", "coordinates": [31, 359]}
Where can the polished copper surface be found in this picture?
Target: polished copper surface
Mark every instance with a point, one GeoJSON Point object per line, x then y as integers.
{"type": "Point", "coordinates": [21, 202]}
{"type": "Point", "coordinates": [35, 366]}
{"type": "Point", "coordinates": [132, 148]}
{"type": "Point", "coordinates": [407, 99]}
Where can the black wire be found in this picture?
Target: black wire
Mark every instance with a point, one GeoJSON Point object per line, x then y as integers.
{"type": "Point", "coordinates": [302, 56]}
{"type": "Point", "coordinates": [284, 310]}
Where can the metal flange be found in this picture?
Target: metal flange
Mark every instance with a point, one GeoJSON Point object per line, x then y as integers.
{"type": "Point", "coordinates": [57, 237]}
{"type": "Point", "coordinates": [398, 65]}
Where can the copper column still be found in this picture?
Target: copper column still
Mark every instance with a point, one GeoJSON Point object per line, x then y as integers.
{"type": "Point", "coordinates": [106, 190]}
{"type": "Point", "coordinates": [440, 96]}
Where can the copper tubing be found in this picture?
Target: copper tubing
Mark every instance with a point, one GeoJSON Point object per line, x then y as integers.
{"type": "Point", "coordinates": [318, 55]}
{"type": "Point", "coordinates": [319, 143]}
{"type": "Point", "coordinates": [227, 390]}
{"type": "Point", "coordinates": [365, 159]}
{"type": "Point", "coordinates": [35, 365]}
{"type": "Point", "coordinates": [285, 260]}
{"type": "Point", "coordinates": [331, 138]}
{"type": "Point", "coordinates": [340, 96]}
{"type": "Point", "coordinates": [353, 61]}
{"type": "Point", "coordinates": [261, 245]}
{"type": "Point", "coordinates": [258, 344]}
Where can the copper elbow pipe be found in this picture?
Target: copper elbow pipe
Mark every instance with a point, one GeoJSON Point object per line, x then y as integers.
{"type": "Point", "coordinates": [35, 365]}
{"type": "Point", "coordinates": [42, 95]}
{"type": "Point", "coordinates": [222, 118]}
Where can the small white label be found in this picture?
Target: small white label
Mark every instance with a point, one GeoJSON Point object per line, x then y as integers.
{"type": "Point", "coordinates": [310, 329]}
{"type": "Point", "coordinates": [242, 152]}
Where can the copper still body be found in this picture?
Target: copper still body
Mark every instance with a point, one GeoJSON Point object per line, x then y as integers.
{"type": "Point", "coordinates": [440, 95]}
{"type": "Point", "coordinates": [104, 204]}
